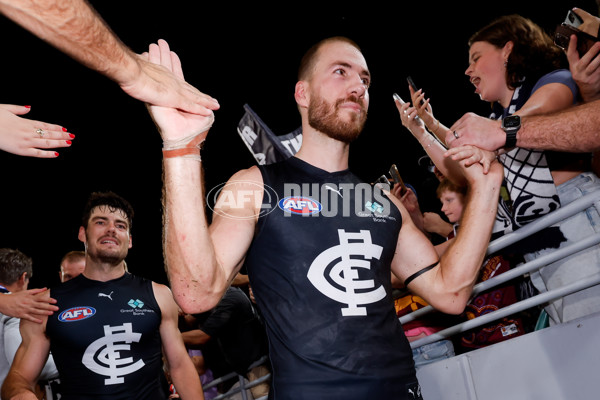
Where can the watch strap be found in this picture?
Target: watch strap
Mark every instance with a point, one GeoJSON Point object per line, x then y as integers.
{"type": "Point", "coordinates": [511, 138]}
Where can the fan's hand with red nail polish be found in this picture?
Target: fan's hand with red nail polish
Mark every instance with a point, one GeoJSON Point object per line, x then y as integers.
{"type": "Point", "coordinates": [26, 137]}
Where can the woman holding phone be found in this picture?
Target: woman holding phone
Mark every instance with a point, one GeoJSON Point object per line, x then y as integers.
{"type": "Point", "coordinates": [515, 66]}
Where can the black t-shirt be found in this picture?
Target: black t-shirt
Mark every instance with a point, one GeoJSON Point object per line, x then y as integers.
{"type": "Point", "coordinates": [319, 266]}
{"type": "Point", "coordinates": [237, 334]}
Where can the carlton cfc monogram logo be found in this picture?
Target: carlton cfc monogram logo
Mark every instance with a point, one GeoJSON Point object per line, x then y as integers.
{"type": "Point", "coordinates": [104, 356]}
{"type": "Point", "coordinates": [345, 272]}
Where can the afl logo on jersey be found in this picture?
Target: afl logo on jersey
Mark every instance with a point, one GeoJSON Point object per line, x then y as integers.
{"type": "Point", "coordinates": [76, 314]}
{"type": "Point", "coordinates": [300, 205]}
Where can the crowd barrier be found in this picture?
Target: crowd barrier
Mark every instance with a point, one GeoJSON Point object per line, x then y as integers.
{"type": "Point", "coordinates": [240, 391]}
{"type": "Point", "coordinates": [544, 297]}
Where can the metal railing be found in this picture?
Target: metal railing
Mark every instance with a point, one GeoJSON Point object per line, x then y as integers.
{"type": "Point", "coordinates": [511, 238]}
{"type": "Point", "coordinates": [242, 381]}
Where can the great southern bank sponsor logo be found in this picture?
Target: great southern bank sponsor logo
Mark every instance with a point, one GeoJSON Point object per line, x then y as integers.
{"type": "Point", "coordinates": [300, 205]}
{"type": "Point", "coordinates": [76, 314]}
{"type": "Point", "coordinates": [137, 308]}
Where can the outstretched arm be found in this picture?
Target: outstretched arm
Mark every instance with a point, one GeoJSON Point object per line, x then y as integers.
{"type": "Point", "coordinates": [26, 137]}
{"type": "Point", "coordinates": [576, 130]}
{"type": "Point", "coordinates": [75, 28]}
{"type": "Point", "coordinates": [27, 304]}
{"type": "Point", "coordinates": [553, 97]}
{"type": "Point", "coordinates": [201, 261]}
{"type": "Point", "coordinates": [448, 283]}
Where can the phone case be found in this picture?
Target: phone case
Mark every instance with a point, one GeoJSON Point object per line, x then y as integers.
{"type": "Point", "coordinates": [563, 33]}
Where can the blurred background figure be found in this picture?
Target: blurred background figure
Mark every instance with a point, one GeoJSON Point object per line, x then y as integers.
{"type": "Point", "coordinates": [71, 265]}
{"type": "Point", "coordinates": [16, 269]}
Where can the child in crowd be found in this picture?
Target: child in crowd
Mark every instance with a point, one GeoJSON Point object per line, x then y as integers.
{"type": "Point", "coordinates": [452, 198]}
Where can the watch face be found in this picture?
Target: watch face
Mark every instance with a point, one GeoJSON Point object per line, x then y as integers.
{"type": "Point", "coordinates": [511, 121]}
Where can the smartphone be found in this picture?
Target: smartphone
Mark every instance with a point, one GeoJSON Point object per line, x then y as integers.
{"type": "Point", "coordinates": [563, 33]}
{"type": "Point", "coordinates": [383, 179]}
{"type": "Point", "coordinates": [398, 98]}
{"type": "Point", "coordinates": [413, 85]}
{"type": "Point", "coordinates": [411, 82]}
{"type": "Point", "coordinates": [569, 27]}
{"type": "Point", "coordinates": [573, 19]}
{"type": "Point", "coordinates": [395, 174]}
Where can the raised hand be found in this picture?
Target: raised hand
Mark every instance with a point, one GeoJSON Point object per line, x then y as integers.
{"type": "Point", "coordinates": [585, 69]}
{"type": "Point", "coordinates": [174, 124]}
{"type": "Point", "coordinates": [408, 116]}
{"type": "Point", "coordinates": [424, 109]}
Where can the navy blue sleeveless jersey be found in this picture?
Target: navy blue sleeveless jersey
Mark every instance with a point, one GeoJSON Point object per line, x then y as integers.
{"type": "Point", "coordinates": [105, 339]}
{"type": "Point", "coordinates": [319, 266]}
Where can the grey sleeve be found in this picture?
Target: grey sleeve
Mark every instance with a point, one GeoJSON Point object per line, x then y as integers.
{"type": "Point", "coordinates": [12, 340]}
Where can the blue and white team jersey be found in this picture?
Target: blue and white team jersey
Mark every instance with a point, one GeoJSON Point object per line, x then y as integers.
{"type": "Point", "coordinates": [105, 339]}
{"type": "Point", "coordinates": [319, 266]}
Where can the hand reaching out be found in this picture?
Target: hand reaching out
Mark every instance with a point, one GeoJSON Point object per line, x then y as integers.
{"type": "Point", "coordinates": [27, 304]}
{"type": "Point", "coordinates": [26, 137]}
{"type": "Point", "coordinates": [476, 130]}
{"type": "Point", "coordinates": [471, 155]}
{"type": "Point", "coordinates": [158, 84]}
{"type": "Point", "coordinates": [174, 124]}
{"type": "Point", "coordinates": [474, 166]}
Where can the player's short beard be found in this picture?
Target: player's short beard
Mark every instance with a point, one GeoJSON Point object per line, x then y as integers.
{"type": "Point", "coordinates": [109, 258]}
{"type": "Point", "coordinates": [324, 117]}
{"type": "Point", "coordinates": [106, 257]}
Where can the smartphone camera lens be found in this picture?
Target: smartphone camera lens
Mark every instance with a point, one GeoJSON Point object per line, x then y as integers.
{"type": "Point", "coordinates": [561, 41]}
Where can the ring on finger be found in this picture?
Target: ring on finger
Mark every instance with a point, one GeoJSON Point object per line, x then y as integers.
{"type": "Point", "coordinates": [40, 132]}
{"type": "Point", "coordinates": [455, 134]}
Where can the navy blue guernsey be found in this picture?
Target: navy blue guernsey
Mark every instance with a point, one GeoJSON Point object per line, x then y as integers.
{"type": "Point", "coordinates": [319, 266]}
{"type": "Point", "coordinates": [105, 339]}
